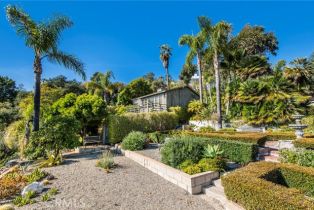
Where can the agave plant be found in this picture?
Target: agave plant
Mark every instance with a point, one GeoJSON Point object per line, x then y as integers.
{"type": "Point", "coordinates": [213, 151]}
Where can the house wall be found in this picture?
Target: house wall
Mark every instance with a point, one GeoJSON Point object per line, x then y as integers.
{"type": "Point", "coordinates": [180, 97]}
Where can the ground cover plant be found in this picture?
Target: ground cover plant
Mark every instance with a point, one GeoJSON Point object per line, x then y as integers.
{"type": "Point", "coordinates": [265, 185]}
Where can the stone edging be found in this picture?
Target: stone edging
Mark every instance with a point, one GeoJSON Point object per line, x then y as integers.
{"type": "Point", "coordinates": [191, 183]}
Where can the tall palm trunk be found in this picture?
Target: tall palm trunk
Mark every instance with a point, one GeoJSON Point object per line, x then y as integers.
{"type": "Point", "coordinates": [167, 78]}
{"type": "Point", "coordinates": [200, 76]}
{"type": "Point", "coordinates": [217, 78]}
{"type": "Point", "coordinates": [37, 71]}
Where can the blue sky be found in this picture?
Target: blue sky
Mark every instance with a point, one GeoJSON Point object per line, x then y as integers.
{"type": "Point", "coordinates": [124, 36]}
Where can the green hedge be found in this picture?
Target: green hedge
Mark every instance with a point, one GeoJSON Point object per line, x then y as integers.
{"type": "Point", "coordinates": [259, 186]}
{"type": "Point", "coordinates": [121, 125]}
{"type": "Point", "coordinates": [301, 157]}
{"type": "Point", "coordinates": [255, 138]}
{"type": "Point", "coordinates": [307, 143]}
{"type": "Point", "coordinates": [181, 148]}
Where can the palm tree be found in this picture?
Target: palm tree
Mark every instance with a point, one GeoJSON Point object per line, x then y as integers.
{"type": "Point", "coordinates": [217, 37]}
{"type": "Point", "coordinates": [165, 54]}
{"type": "Point", "coordinates": [43, 38]}
{"type": "Point", "coordinates": [196, 44]}
{"type": "Point", "coordinates": [101, 85]}
{"type": "Point", "coordinates": [300, 73]}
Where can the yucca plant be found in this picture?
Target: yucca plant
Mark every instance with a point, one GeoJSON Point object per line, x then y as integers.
{"type": "Point", "coordinates": [213, 151]}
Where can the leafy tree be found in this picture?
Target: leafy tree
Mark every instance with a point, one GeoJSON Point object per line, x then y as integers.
{"type": "Point", "coordinates": [155, 82]}
{"type": "Point", "coordinates": [253, 40]}
{"type": "Point", "coordinates": [188, 70]}
{"type": "Point", "coordinates": [165, 54]}
{"type": "Point", "coordinates": [8, 89]}
{"type": "Point", "coordinates": [197, 49]}
{"type": "Point", "coordinates": [43, 38]}
{"type": "Point", "coordinates": [57, 133]}
{"type": "Point", "coordinates": [101, 85]}
{"type": "Point", "coordinates": [66, 86]}
{"type": "Point", "coordinates": [89, 110]}
{"type": "Point", "coordinates": [134, 89]}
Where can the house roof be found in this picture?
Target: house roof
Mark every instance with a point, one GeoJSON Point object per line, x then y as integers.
{"type": "Point", "coordinates": [165, 91]}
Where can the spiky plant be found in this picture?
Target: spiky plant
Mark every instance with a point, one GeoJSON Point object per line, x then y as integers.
{"type": "Point", "coordinates": [213, 151]}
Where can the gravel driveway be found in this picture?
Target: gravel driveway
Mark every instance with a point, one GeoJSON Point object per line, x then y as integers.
{"type": "Point", "coordinates": [130, 186]}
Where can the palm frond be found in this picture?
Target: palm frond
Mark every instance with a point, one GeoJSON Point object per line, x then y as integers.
{"type": "Point", "coordinates": [68, 61]}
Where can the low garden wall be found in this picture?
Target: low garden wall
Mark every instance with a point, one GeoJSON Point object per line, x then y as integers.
{"type": "Point", "coordinates": [191, 183]}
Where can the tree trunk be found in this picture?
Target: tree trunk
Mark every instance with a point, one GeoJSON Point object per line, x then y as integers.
{"type": "Point", "coordinates": [167, 78]}
{"type": "Point", "coordinates": [37, 71]}
{"type": "Point", "coordinates": [218, 99]}
{"type": "Point", "coordinates": [200, 79]}
{"type": "Point", "coordinates": [228, 95]}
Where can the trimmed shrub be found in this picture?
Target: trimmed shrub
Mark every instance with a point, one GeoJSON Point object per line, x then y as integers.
{"type": "Point", "coordinates": [301, 157]}
{"type": "Point", "coordinates": [181, 148]}
{"type": "Point", "coordinates": [307, 143]}
{"type": "Point", "coordinates": [212, 164]}
{"type": "Point", "coordinates": [134, 141]}
{"type": "Point", "coordinates": [255, 138]}
{"type": "Point", "coordinates": [206, 129]}
{"type": "Point", "coordinates": [276, 136]}
{"type": "Point", "coordinates": [121, 125]}
{"type": "Point", "coordinates": [260, 186]}
{"type": "Point", "coordinates": [192, 169]}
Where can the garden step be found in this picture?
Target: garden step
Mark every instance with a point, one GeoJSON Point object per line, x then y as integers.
{"type": "Point", "coordinates": [263, 150]}
{"type": "Point", "coordinates": [274, 153]}
{"type": "Point", "coordinates": [215, 194]}
{"type": "Point", "coordinates": [272, 144]}
{"type": "Point", "coordinates": [270, 158]}
{"type": "Point", "coordinates": [217, 183]}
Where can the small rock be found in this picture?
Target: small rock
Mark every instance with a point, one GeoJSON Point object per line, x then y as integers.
{"type": "Point", "coordinates": [45, 182]}
{"type": "Point", "coordinates": [50, 177]}
{"type": "Point", "coordinates": [11, 163]}
{"type": "Point", "coordinates": [35, 186]}
{"type": "Point", "coordinates": [7, 207]}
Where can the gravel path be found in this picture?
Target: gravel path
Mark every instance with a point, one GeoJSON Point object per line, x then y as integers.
{"type": "Point", "coordinates": [130, 186]}
{"type": "Point", "coordinates": [152, 151]}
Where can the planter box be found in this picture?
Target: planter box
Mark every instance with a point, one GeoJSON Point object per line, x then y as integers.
{"type": "Point", "coordinates": [191, 183]}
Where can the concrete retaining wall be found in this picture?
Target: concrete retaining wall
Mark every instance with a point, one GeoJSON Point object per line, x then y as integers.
{"type": "Point", "coordinates": [191, 183]}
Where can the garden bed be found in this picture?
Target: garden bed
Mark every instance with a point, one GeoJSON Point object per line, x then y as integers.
{"type": "Point", "coordinates": [191, 183]}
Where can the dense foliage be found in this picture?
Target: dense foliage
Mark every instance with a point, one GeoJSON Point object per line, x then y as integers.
{"type": "Point", "coordinates": [120, 126]}
{"type": "Point", "coordinates": [134, 141]}
{"type": "Point", "coordinates": [89, 110]}
{"type": "Point", "coordinates": [266, 185]}
{"type": "Point", "coordinates": [179, 149]}
{"type": "Point", "coordinates": [301, 157]}
{"type": "Point", "coordinates": [57, 133]}
{"type": "Point", "coordinates": [134, 89]}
